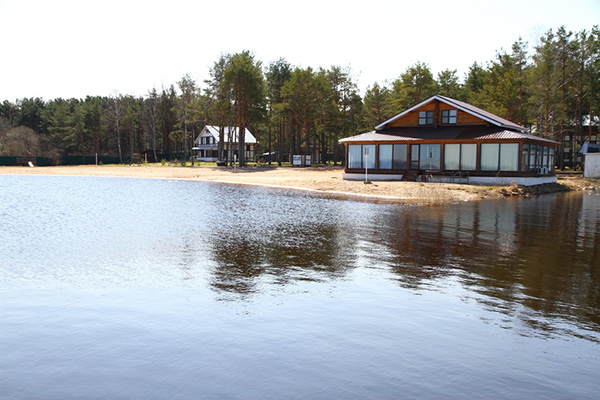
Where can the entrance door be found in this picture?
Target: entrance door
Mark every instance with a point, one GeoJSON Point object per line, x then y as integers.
{"type": "Point", "coordinates": [430, 156]}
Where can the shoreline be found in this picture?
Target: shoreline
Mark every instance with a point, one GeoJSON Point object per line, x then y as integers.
{"type": "Point", "coordinates": [325, 180]}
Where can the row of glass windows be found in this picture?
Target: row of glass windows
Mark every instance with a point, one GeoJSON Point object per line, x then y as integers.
{"type": "Point", "coordinates": [448, 117]}
{"type": "Point", "coordinates": [457, 157]}
{"type": "Point", "coordinates": [535, 157]}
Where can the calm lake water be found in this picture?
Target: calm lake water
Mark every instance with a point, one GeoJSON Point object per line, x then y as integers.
{"type": "Point", "coordinates": [154, 289]}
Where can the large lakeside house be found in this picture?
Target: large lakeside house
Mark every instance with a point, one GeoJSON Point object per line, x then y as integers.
{"type": "Point", "coordinates": [446, 140]}
{"type": "Point", "coordinates": [206, 143]}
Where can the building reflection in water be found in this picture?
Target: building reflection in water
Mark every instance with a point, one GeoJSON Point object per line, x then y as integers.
{"type": "Point", "coordinates": [523, 258]}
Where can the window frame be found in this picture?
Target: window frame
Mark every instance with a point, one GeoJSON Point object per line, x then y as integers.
{"type": "Point", "coordinates": [398, 156]}
{"type": "Point", "coordinates": [372, 158]}
{"type": "Point", "coordinates": [425, 118]}
{"type": "Point", "coordinates": [449, 117]}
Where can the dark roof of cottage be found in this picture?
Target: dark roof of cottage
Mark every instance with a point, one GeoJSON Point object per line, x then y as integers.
{"type": "Point", "coordinates": [451, 133]}
{"type": "Point", "coordinates": [466, 107]}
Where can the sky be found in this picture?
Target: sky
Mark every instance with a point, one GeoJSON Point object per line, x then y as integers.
{"type": "Point", "coordinates": [76, 48]}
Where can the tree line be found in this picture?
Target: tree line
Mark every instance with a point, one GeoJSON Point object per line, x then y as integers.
{"type": "Point", "coordinates": [552, 91]}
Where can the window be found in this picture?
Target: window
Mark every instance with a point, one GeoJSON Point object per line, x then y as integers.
{"type": "Point", "coordinates": [386, 152]}
{"type": "Point", "coordinates": [360, 155]}
{"type": "Point", "coordinates": [448, 116]}
{"type": "Point", "coordinates": [392, 156]}
{"type": "Point", "coordinates": [354, 157]}
{"type": "Point", "coordinates": [452, 157]}
{"type": "Point", "coordinates": [425, 117]}
{"type": "Point", "coordinates": [489, 156]}
{"type": "Point", "coordinates": [509, 157]}
{"type": "Point", "coordinates": [500, 157]}
{"type": "Point", "coordinates": [545, 156]}
{"type": "Point", "coordinates": [468, 157]}
{"type": "Point", "coordinates": [414, 156]}
{"type": "Point", "coordinates": [400, 156]}
{"type": "Point", "coordinates": [369, 156]}
{"type": "Point", "coordinates": [533, 158]}
{"type": "Point", "coordinates": [460, 157]}
{"type": "Point", "coordinates": [525, 158]}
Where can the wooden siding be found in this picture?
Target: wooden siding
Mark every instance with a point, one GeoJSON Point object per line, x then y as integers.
{"type": "Point", "coordinates": [462, 118]}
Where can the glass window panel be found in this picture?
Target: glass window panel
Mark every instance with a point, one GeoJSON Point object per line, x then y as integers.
{"type": "Point", "coordinates": [545, 159]}
{"type": "Point", "coordinates": [369, 156]}
{"type": "Point", "coordinates": [400, 156]}
{"type": "Point", "coordinates": [468, 157]}
{"type": "Point", "coordinates": [489, 156]}
{"type": "Point", "coordinates": [452, 117]}
{"type": "Point", "coordinates": [414, 156]}
{"type": "Point", "coordinates": [532, 152]}
{"type": "Point", "coordinates": [452, 157]}
{"type": "Point", "coordinates": [430, 156]}
{"type": "Point", "coordinates": [354, 156]}
{"type": "Point", "coordinates": [525, 158]}
{"type": "Point", "coordinates": [509, 157]}
{"type": "Point", "coordinates": [448, 116]}
{"type": "Point", "coordinates": [385, 156]}
{"type": "Point", "coordinates": [425, 117]}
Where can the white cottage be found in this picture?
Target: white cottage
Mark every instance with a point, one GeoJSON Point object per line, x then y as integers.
{"type": "Point", "coordinates": [207, 142]}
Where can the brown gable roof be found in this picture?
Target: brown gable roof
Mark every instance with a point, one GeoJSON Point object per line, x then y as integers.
{"type": "Point", "coordinates": [468, 108]}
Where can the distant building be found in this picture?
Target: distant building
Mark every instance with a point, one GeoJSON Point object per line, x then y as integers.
{"type": "Point", "coordinates": [573, 141]}
{"type": "Point", "coordinates": [206, 143]}
{"type": "Point", "coordinates": [447, 140]}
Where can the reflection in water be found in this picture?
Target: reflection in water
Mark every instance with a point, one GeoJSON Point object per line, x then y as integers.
{"type": "Point", "coordinates": [520, 258]}
{"type": "Point", "coordinates": [255, 244]}
{"type": "Point", "coordinates": [115, 288]}
{"type": "Point", "coordinates": [510, 253]}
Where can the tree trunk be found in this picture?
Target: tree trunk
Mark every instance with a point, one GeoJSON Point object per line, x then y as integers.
{"type": "Point", "coordinates": [280, 155]}
{"type": "Point", "coordinates": [221, 145]}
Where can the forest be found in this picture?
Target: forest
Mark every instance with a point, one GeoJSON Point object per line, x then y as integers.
{"type": "Point", "coordinates": [552, 88]}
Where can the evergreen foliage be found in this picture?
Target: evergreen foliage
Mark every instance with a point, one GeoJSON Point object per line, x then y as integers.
{"type": "Point", "coordinates": [551, 88]}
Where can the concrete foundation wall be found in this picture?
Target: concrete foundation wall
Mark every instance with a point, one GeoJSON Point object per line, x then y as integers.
{"type": "Point", "coordinates": [474, 180]}
{"type": "Point", "coordinates": [371, 177]}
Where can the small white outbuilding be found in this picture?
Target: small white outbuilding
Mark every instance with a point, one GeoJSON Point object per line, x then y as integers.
{"type": "Point", "coordinates": [591, 163]}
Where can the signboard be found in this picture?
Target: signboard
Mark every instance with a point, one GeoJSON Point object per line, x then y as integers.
{"type": "Point", "coordinates": [301, 160]}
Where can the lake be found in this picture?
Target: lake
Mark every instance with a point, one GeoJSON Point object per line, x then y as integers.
{"type": "Point", "coordinates": [119, 288]}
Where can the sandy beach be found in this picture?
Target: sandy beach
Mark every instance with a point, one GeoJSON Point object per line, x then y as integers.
{"type": "Point", "coordinates": [326, 180]}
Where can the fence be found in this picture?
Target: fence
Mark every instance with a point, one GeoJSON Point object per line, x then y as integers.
{"type": "Point", "coordinates": [80, 160]}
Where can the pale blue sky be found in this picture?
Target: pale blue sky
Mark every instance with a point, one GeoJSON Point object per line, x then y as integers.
{"type": "Point", "coordinates": [74, 48]}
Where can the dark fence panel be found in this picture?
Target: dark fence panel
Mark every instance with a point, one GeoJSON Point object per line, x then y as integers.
{"type": "Point", "coordinates": [24, 161]}
{"type": "Point", "coordinates": [82, 160]}
{"type": "Point", "coordinates": [89, 160]}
